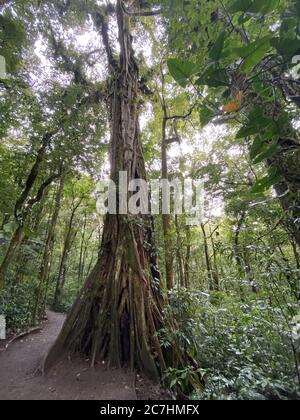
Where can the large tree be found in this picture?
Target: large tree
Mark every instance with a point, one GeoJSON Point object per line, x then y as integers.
{"type": "Point", "coordinates": [119, 310]}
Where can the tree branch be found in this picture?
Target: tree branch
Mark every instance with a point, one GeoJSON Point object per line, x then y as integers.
{"type": "Point", "coordinates": [182, 117]}
{"type": "Point", "coordinates": [141, 13]}
{"type": "Point", "coordinates": [60, 51]}
{"type": "Point", "coordinates": [101, 24]}
{"type": "Point", "coordinates": [42, 189]}
{"type": "Point", "coordinates": [33, 173]}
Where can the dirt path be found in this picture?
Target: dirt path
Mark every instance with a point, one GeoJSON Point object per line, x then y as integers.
{"type": "Point", "coordinates": [70, 380]}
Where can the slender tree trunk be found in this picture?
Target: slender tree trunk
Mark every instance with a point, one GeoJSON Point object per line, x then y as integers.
{"type": "Point", "coordinates": [34, 173]}
{"type": "Point", "coordinates": [213, 280]}
{"type": "Point", "coordinates": [81, 254]}
{"type": "Point", "coordinates": [237, 245]}
{"type": "Point", "coordinates": [85, 272]}
{"type": "Point", "coordinates": [297, 260]}
{"type": "Point", "coordinates": [13, 246]}
{"type": "Point", "coordinates": [215, 264]}
{"type": "Point", "coordinates": [118, 312]}
{"type": "Point", "coordinates": [187, 257]}
{"type": "Point", "coordinates": [34, 224]}
{"type": "Point", "coordinates": [45, 265]}
{"type": "Point", "coordinates": [62, 265]}
{"type": "Point", "coordinates": [166, 218]}
{"type": "Point", "coordinates": [178, 254]}
{"type": "Point", "coordinates": [22, 217]}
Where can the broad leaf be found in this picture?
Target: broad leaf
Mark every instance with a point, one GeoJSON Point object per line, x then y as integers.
{"type": "Point", "coordinates": [254, 52]}
{"type": "Point", "coordinates": [266, 183]}
{"type": "Point", "coordinates": [286, 47]}
{"type": "Point", "coordinates": [216, 51]}
{"type": "Point", "coordinates": [266, 152]}
{"type": "Point", "coordinates": [206, 115]}
{"type": "Point", "coordinates": [240, 6]}
{"type": "Point", "coordinates": [181, 71]}
{"type": "Point", "coordinates": [214, 78]}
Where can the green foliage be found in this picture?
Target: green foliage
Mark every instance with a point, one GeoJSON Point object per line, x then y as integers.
{"type": "Point", "coordinates": [16, 303]}
{"type": "Point", "coordinates": [268, 181]}
{"type": "Point", "coordinates": [237, 320]}
{"type": "Point", "coordinates": [253, 53]}
{"type": "Point", "coordinates": [182, 71]}
{"type": "Point", "coordinates": [12, 38]}
{"type": "Point", "coordinates": [244, 348]}
{"type": "Point", "coordinates": [250, 55]}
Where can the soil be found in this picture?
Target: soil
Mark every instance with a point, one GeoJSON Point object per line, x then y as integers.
{"type": "Point", "coordinates": [69, 380]}
{"type": "Point", "coordinates": [146, 390]}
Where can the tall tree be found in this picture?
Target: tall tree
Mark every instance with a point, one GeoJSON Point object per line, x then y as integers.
{"type": "Point", "coordinates": [119, 310]}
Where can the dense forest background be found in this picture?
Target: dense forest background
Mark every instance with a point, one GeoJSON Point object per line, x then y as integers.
{"type": "Point", "coordinates": [218, 97]}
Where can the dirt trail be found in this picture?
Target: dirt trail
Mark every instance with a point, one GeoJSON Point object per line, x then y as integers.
{"type": "Point", "coordinates": [70, 380]}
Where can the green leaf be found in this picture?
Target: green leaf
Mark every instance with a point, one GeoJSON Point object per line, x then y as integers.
{"type": "Point", "coordinates": [173, 383]}
{"type": "Point", "coordinates": [28, 232]}
{"type": "Point", "coordinates": [216, 51]}
{"type": "Point", "coordinates": [268, 151]}
{"type": "Point", "coordinates": [262, 7]}
{"type": "Point", "coordinates": [247, 131]}
{"type": "Point", "coordinates": [240, 6]}
{"type": "Point", "coordinates": [206, 115]}
{"type": "Point", "coordinates": [256, 147]}
{"type": "Point", "coordinates": [286, 47]}
{"type": "Point", "coordinates": [263, 89]}
{"type": "Point", "coordinates": [214, 78]}
{"type": "Point", "coordinates": [257, 124]}
{"type": "Point", "coordinates": [254, 127]}
{"type": "Point", "coordinates": [254, 52]}
{"type": "Point", "coordinates": [267, 182]}
{"type": "Point", "coordinates": [181, 71]}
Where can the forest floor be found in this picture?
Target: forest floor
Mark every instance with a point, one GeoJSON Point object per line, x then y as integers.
{"type": "Point", "coordinates": [69, 380]}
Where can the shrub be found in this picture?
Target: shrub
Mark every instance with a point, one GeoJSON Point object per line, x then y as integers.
{"type": "Point", "coordinates": [244, 349]}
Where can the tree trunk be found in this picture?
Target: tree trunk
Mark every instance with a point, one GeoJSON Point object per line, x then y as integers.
{"type": "Point", "coordinates": [10, 253]}
{"type": "Point", "coordinates": [45, 265]}
{"type": "Point", "coordinates": [81, 254]}
{"type": "Point", "coordinates": [166, 218]}
{"type": "Point", "coordinates": [22, 217]}
{"type": "Point", "coordinates": [213, 280]}
{"type": "Point", "coordinates": [60, 281]}
{"type": "Point", "coordinates": [237, 246]}
{"type": "Point", "coordinates": [178, 254]}
{"type": "Point", "coordinates": [32, 176]}
{"type": "Point", "coordinates": [118, 312]}
{"type": "Point", "coordinates": [187, 257]}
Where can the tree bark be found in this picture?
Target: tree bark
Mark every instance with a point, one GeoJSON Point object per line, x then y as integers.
{"type": "Point", "coordinates": [118, 312]}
